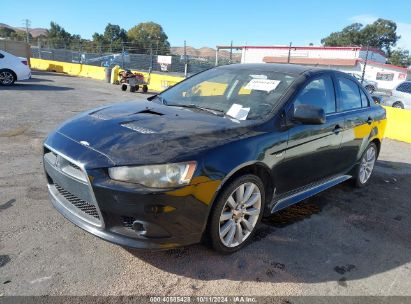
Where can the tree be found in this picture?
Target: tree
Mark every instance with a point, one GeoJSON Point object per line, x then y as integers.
{"type": "Point", "coordinates": [149, 36]}
{"type": "Point", "coordinates": [400, 57]}
{"type": "Point", "coordinates": [381, 35]}
{"type": "Point", "coordinates": [112, 38]}
{"type": "Point", "coordinates": [6, 32]}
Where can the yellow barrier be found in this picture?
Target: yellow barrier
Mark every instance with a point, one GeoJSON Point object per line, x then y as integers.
{"type": "Point", "coordinates": [398, 124]}
{"type": "Point", "coordinates": [158, 82]}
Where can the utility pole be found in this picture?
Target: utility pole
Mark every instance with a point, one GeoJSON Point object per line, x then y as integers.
{"type": "Point", "coordinates": [365, 64]}
{"type": "Point", "coordinates": [231, 52]}
{"type": "Point", "coordinates": [26, 23]}
{"type": "Point", "coordinates": [289, 53]}
{"type": "Point", "coordinates": [185, 59]}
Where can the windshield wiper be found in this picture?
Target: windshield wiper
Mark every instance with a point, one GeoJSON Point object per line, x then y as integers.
{"type": "Point", "coordinates": [193, 106]}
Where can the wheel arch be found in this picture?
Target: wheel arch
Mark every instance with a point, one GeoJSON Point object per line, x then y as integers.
{"type": "Point", "coordinates": [257, 168]}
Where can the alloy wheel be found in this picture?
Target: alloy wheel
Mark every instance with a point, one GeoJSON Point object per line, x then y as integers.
{"type": "Point", "coordinates": [240, 214]}
{"type": "Point", "coordinates": [367, 164]}
{"type": "Point", "coordinates": [6, 78]}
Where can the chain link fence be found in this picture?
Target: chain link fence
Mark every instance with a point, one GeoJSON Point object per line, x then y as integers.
{"type": "Point", "coordinates": [146, 61]}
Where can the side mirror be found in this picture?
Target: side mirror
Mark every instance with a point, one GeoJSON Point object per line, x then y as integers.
{"type": "Point", "coordinates": [308, 114]}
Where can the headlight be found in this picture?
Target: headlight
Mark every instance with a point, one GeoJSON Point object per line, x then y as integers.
{"type": "Point", "coordinates": [155, 176]}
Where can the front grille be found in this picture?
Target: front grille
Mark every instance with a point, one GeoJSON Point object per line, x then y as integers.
{"type": "Point", "coordinates": [84, 206]}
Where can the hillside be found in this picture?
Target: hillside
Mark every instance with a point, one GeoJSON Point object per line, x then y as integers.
{"type": "Point", "coordinates": [203, 52]}
{"type": "Point", "coordinates": [35, 32]}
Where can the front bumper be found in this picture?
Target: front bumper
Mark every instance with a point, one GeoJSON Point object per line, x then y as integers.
{"type": "Point", "coordinates": [125, 214]}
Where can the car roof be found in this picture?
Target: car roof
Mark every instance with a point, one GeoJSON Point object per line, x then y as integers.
{"type": "Point", "coordinates": [272, 67]}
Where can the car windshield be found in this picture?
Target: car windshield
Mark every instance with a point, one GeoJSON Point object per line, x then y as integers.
{"type": "Point", "coordinates": [239, 93]}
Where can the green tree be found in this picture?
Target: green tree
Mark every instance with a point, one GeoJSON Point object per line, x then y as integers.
{"type": "Point", "coordinates": [6, 32]}
{"type": "Point", "coordinates": [381, 34]}
{"type": "Point", "coordinates": [400, 57]}
{"type": "Point", "coordinates": [111, 40]}
{"type": "Point", "coordinates": [149, 36]}
{"type": "Point", "coordinates": [350, 35]}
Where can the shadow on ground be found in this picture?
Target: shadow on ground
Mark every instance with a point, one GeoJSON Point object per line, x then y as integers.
{"type": "Point", "coordinates": [28, 86]}
{"type": "Point", "coordinates": [340, 235]}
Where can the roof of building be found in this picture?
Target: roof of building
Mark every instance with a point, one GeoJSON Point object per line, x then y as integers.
{"type": "Point", "coordinates": [321, 48]}
{"type": "Point", "coordinates": [330, 62]}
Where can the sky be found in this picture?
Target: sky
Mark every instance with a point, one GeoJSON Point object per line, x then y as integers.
{"type": "Point", "coordinates": [210, 22]}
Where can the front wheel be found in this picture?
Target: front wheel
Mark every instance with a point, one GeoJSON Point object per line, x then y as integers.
{"type": "Point", "coordinates": [236, 213]}
{"type": "Point", "coordinates": [7, 77]}
{"type": "Point", "coordinates": [366, 166]}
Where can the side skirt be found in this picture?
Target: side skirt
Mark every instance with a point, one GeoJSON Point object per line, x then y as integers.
{"type": "Point", "coordinates": [291, 198]}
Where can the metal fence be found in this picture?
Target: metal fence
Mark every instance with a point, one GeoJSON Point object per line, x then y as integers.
{"type": "Point", "coordinates": [181, 64]}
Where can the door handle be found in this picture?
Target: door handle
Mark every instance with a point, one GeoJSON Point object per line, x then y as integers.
{"type": "Point", "coordinates": [337, 129]}
{"type": "Point", "coordinates": [369, 120]}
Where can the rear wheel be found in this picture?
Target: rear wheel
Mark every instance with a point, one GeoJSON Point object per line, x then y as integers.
{"type": "Point", "coordinates": [132, 88]}
{"type": "Point", "coordinates": [366, 166]}
{"type": "Point", "coordinates": [7, 77]}
{"type": "Point", "coordinates": [145, 88]}
{"type": "Point", "coordinates": [398, 105]}
{"type": "Point", "coordinates": [124, 87]}
{"type": "Point", "coordinates": [236, 213]}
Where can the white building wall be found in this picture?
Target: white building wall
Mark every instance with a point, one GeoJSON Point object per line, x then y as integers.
{"type": "Point", "coordinates": [256, 55]}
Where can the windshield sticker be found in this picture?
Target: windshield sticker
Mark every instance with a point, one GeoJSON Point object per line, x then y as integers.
{"type": "Point", "coordinates": [266, 85]}
{"type": "Point", "coordinates": [238, 112]}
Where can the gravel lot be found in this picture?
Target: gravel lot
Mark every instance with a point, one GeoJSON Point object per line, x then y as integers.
{"type": "Point", "coordinates": [342, 242]}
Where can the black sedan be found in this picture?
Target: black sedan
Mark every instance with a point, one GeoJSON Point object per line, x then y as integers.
{"type": "Point", "coordinates": [210, 156]}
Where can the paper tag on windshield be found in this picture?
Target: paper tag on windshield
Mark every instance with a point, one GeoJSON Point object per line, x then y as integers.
{"type": "Point", "coordinates": [266, 85]}
{"type": "Point", "coordinates": [238, 112]}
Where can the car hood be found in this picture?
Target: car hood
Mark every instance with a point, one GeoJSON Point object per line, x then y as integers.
{"type": "Point", "coordinates": [142, 132]}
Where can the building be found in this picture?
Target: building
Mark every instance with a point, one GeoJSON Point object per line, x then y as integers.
{"type": "Point", "coordinates": [346, 59]}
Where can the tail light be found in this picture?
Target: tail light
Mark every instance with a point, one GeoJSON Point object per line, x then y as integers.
{"type": "Point", "coordinates": [24, 62]}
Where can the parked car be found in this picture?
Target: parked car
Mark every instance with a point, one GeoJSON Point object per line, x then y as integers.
{"type": "Point", "coordinates": [12, 69]}
{"type": "Point", "coordinates": [369, 85]}
{"type": "Point", "coordinates": [400, 96]}
{"type": "Point", "coordinates": [208, 157]}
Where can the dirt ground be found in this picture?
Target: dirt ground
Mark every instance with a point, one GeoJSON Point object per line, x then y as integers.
{"type": "Point", "coordinates": [344, 241]}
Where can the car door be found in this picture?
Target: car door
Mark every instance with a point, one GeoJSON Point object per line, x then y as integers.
{"type": "Point", "coordinates": [354, 104]}
{"type": "Point", "coordinates": [313, 151]}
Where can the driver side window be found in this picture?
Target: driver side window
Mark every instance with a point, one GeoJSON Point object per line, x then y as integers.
{"type": "Point", "coordinates": [319, 92]}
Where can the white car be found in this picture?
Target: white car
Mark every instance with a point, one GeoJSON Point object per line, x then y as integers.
{"type": "Point", "coordinates": [369, 85]}
{"type": "Point", "coordinates": [13, 68]}
{"type": "Point", "coordinates": [400, 96]}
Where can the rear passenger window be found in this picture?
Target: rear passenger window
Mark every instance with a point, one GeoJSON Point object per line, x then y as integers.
{"type": "Point", "coordinates": [350, 95]}
{"type": "Point", "coordinates": [320, 93]}
{"type": "Point", "coordinates": [364, 99]}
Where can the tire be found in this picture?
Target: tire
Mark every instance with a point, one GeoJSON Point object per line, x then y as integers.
{"type": "Point", "coordinates": [137, 87]}
{"type": "Point", "coordinates": [370, 89]}
{"type": "Point", "coordinates": [132, 89]}
{"type": "Point", "coordinates": [7, 77]}
{"type": "Point", "coordinates": [228, 221]}
{"type": "Point", "coordinates": [366, 166]}
{"type": "Point", "coordinates": [145, 88]}
{"type": "Point", "coordinates": [398, 105]}
{"type": "Point", "coordinates": [124, 87]}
